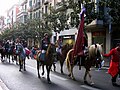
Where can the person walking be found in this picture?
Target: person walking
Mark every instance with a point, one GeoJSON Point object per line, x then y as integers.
{"type": "Point", "coordinates": [114, 63]}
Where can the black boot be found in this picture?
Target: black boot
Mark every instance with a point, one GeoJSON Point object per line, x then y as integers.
{"type": "Point", "coordinates": [115, 84]}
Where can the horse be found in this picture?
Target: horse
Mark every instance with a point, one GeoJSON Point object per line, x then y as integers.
{"type": "Point", "coordinates": [22, 54]}
{"type": "Point", "coordinates": [94, 53]}
{"type": "Point", "coordinates": [2, 52]}
{"type": "Point", "coordinates": [61, 56]}
{"type": "Point", "coordinates": [10, 52]}
{"type": "Point", "coordinates": [49, 60]}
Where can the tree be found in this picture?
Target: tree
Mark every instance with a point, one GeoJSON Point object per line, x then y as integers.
{"type": "Point", "coordinates": [114, 8]}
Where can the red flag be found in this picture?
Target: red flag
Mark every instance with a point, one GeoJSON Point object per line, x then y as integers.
{"type": "Point", "coordinates": [80, 38]}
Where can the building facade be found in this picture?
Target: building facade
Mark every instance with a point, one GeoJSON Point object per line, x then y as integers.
{"type": "Point", "coordinates": [98, 30]}
{"type": "Point", "coordinates": [22, 15]}
{"type": "Point", "coordinates": [12, 15]}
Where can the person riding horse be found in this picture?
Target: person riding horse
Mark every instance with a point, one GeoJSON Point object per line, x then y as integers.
{"type": "Point", "coordinates": [45, 43]}
{"type": "Point", "coordinates": [60, 45]}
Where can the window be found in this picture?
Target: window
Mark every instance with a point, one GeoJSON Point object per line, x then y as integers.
{"type": "Point", "coordinates": [30, 15]}
{"type": "Point", "coordinates": [30, 3]}
{"type": "Point", "coordinates": [46, 7]}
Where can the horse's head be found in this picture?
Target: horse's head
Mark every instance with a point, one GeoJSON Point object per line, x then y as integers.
{"type": "Point", "coordinates": [51, 48]}
{"type": "Point", "coordinates": [66, 47]}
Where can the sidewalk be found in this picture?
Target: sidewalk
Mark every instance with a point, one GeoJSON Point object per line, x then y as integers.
{"type": "Point", "coordinates": [3, 86]}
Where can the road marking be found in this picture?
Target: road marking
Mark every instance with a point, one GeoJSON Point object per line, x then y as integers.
{"type": "Point", "coordinates": [58, 77]}
{"type": "Point", "coordinates": [3, 86]}
{"type": "Point", "coordinates": [31, 67]}
{"type": "Point", "coordinates": [89, 88]}
{"type": "Point", "coordinates": [61, 78]}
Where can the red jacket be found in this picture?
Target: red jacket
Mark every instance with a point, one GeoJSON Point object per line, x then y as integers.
{"type": "Point", "coordinates": [114, 64]}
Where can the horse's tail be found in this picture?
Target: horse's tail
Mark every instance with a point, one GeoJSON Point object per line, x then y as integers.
{"type": "Point", "coordinates": [68, 63]}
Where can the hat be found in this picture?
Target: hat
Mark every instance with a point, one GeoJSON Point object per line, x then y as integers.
{"type": "Point", "coordinates": [45, 34]}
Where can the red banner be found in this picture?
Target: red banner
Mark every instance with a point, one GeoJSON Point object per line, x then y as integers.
{"type": "Point", "coordinates": [78, 47]}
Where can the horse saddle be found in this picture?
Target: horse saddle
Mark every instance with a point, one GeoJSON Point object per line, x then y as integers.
{"type": "Point", "coordinates": [42, 55]}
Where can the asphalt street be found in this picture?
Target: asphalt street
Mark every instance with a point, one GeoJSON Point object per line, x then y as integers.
{"type": "Point", "coordinates": [12, 79]}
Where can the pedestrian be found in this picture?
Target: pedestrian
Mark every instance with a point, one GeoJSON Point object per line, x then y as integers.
{"type": "Point", "coordinates": [114, 63]}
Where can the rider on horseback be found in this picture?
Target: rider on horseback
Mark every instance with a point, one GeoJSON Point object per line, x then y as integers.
{"type": "Point", "coordinates": [60, 44]}
{"type": "Point", "coordinates": [44, 45]}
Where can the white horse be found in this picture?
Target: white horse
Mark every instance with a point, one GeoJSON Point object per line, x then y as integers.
{"type": "Point", "coordinates": [94, 54]}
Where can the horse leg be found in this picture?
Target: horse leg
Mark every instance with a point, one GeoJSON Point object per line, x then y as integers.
{"type": "Point", "coordinates": [20, 65]}
{"type": "Point", "coordinates": [9, 57]}
{"type": "Point", "coordinates": [68, 67]}
{"type": "Point", "coordinates": [85, 77]}
{"type": "Point", "coordinates": [24, 65]}
{"type": "Point", "coordinates": [54, 66]}
{"type": "Point", "coordinates": [16, 59]}
{"type": "Point", "coordinates": [72, 76]}
{"type": "Point", "coordinates": [38, 69]}
{"type": "Point", "coordinates": [12, 57]}
{"type": "Point", "coordinates": [90, 76]}
{"type": "Point", "coordinates": [48, 73]}
{"type": "Point", "coordinates": [43, 70]}
{"type": "Point", "coordinates": [2, 57]}
{"type": "Point", "coordinates": [61, 64]}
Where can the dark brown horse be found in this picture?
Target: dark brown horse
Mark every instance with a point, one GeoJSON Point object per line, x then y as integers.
{"type": "Point", "coordinates": [94, 53]}
{"type": "Point", "coordinates": [49, 60]}
{"type": "Point", "coordinates": [61, 56]}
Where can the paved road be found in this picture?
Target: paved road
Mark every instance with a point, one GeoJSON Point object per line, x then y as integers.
{"type": "Point", "coordinates": [15, 80]}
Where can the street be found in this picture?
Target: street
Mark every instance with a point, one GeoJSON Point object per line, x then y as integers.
{"type": "Point", "coordinates": [28, 80]}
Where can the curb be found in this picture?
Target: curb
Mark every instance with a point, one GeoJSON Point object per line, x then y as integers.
{"type": "Point", "coordinates": [3, 86]}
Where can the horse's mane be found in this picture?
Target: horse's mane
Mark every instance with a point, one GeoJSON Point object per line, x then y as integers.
{"type": "Point", "coordinates": [50, 48]}
{"type": "Point", "coordinates": [94, 48]}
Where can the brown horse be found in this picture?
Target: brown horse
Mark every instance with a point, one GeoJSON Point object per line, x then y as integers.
{"type": "Point", "coordinates": [61, 56]}
{"type": "Point", "coordinates": [49, 60]}
{"type": "Point", "coordinates": [94, 53]}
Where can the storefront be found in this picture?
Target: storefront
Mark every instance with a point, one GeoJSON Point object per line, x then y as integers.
{"type": "Point", "coordinates": [115, 37]}
{"type": "Point", "coordinates": [67, 39]}
{"type": "Point", "coordinates": [99, 37]}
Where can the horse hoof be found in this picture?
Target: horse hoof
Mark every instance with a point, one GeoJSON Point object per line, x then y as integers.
{"type": "Point", "coordinates": [85, 82]}
{"type": "Point", "coordinates": [73, 78]}
{"type": "Point", "coordinates": [24, 69]}
{"type": "Point", "coordinates": [39, 76]}
{"type": "Point", "coordinates": [20, 70]}
{"type": "Point", "coordinates": [69, 75]}
{"type": "Point", "coordinates": [92, 83]}
{"type": "Point", "coordinates": [49, 82]}
{"type": "Point", "coordinates": [62, 72]}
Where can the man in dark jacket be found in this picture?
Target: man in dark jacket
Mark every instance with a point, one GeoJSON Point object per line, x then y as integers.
{"type": "Point", "coordinates": [44, 45]}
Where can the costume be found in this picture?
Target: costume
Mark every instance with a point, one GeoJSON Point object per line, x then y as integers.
{"type": "Point", "coordinates": [60, 44]}
{"type": "Point", "coordinates": [44, 46]}
{"type": "Point", "coordinates": [114, 63]}
{"type": "Point", "coordinates": [45, 43]}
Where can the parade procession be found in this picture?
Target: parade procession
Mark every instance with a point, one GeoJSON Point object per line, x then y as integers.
{"type": "Point", "coordinates": [59, 45]}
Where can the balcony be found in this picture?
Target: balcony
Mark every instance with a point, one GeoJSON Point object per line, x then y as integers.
{"type": "Point", "coordinates": [24, 2]}
{"type": "Point", "coordinates": [30, 9]}
{"type": "Point", "coordinates": [95, 24]}
{"type": "Point", "coordinates": [36, 6]}
{"type": "Point", "coordinates": [46, 2]}
{"type": "Point", "coordinates": [22, 13]}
